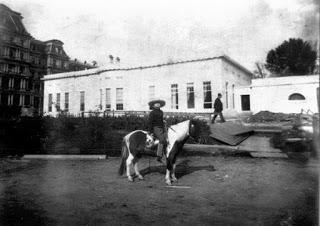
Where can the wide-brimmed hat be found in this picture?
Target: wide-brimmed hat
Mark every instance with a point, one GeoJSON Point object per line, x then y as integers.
{"type": "Point", "coordinates": [161, 102]}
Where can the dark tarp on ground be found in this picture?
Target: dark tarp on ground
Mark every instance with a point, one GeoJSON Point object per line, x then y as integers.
{"type": "Point", "coordinates": [229, 132]}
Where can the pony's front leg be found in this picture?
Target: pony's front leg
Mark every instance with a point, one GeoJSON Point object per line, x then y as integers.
{"type": "Point", "coordinates": [128, 163]}
{"type": "Point", "coordinates": [173, 174]}
{"type": "Point", "coordinates": [136, 169]}
{"type": "Point", "coordinates": [167, 178]}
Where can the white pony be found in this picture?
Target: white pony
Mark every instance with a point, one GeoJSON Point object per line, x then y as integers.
{"type": "Point", "coordinates": [135, 143]}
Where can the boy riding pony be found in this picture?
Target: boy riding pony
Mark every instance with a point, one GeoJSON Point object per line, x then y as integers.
{"type": "Point", "coordinates": [157, 127]}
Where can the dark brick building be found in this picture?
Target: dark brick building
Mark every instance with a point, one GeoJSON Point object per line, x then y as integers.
{"type": "Point", "coordinates": [23, 62]}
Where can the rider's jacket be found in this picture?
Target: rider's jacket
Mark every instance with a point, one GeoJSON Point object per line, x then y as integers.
{"type": "Point", "coordinates": [155, 119]}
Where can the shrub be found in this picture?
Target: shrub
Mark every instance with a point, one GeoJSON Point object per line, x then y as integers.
{"type": "Point", "coordinates": [88, 135]}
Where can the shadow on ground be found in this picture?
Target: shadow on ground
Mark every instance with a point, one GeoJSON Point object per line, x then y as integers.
{"type": "Point", "coordinates": [21, 212]}
{"type": "Point", "coordinates": [182, 169]}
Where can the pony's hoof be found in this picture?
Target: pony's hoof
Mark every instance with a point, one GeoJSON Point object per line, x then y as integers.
{"type": "Point", "coordinates": [130, 179]}
{"type": "Point", "coordinates": [140, 177]}
{"type": "Point", "coordinates": [168, 182]}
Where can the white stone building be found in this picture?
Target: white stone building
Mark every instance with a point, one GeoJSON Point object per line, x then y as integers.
{"type": "Point", "coordinates": [186, 86]}
{"type": "Point", "coordinates": [290, 94]}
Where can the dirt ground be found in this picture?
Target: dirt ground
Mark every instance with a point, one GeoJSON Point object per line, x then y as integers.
{"type": "Point", "coordinates": [217, 191]}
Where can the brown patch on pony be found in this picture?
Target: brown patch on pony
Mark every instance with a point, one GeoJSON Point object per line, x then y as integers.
{"type": "Point", "coordinates": [137, 143]}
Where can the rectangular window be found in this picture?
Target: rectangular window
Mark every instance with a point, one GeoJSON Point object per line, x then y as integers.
{"type": "Point", "coordinates": [50, 61]}
{"type": "Point", "coordinates": [10, 99]}
{"type": "Point", "coordinates": [11, 68]}
{"type": "Point", "coordinates": [5, 51]}
{"type": "Point", "coordinates": [66, 101]}
{"type": "Point", "coordinates": [50, 103]}
{"type": "Point", "coordinates": [207, 95]}
{"type": "Point", "coordinates": [17, 56]}
{"type": "Point", "coordinates": [58, 102]}
{"type": "Point", "coordinates": [27, 100]}
{"type": "Point", "coordinates": [151, 93]}
{"type": "Point", "coordinates": [31, 101]}
{"type": "Point", "coordinates": [82, 101]}
{"type": "Point", "coordinates": [174, 96]}
{"type": "Point", "coordinates": [4, 67]}
{"type": "Point", "coordinates": [119, 99]}
{"type": "Point", "coordinates": [11, 83]}
{"type": "Point", "coordinates": [190, 95]}
{"type": "Point", "coordinates": [108, 99]}
{"type": "Point", "coordinates": [22, 84]}
{"type": "Point", "coordinates": [21, 100]}
{"type": "Point", "coordinates": [58, 63]}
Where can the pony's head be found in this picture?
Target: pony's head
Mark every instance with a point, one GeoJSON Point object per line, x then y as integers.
{"type": "Point", "coordinates": [195, 128]}
{"type": "Point", "coordinates": [150, 141]}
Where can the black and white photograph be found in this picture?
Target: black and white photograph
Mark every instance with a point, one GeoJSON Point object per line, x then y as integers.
{"type": "Point", "coordinates": [159, 112]}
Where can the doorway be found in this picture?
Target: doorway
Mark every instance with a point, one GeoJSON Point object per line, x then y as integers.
{"type": "Point", "coordinates": [245, 102]}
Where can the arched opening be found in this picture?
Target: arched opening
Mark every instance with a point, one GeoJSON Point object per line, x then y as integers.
{"type": "Point", "coordinates": [296, 96]}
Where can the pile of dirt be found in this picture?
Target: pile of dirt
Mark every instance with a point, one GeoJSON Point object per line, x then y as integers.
{"type": "Point", "coordinates": [267, 116]}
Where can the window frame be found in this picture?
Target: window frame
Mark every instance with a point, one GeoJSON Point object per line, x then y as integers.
{"type": "Point", "coordinates": [108, 99]}
{"type": "Point", "coordinates": [207, 88]}
{"type": "Point", "coordinates": [190, 94]}
{"type": "Point", "coordinates": [119, 99]}
{"type": "Point", "coordinates": [82, 101]}
{"type": "Point", "coordinates": [66, 101]}
{"type": "Point", "coordinates": [174, 96]}
{"type": "Point", "coordinates": [50, 102]}
{"type": "Point", "coordinates": [58, 99]}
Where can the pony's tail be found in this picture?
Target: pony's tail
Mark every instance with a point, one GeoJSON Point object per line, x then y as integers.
{"type": "Point", "coordinates": [124, 156]}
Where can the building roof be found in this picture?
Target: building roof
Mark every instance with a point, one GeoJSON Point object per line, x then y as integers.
{"type": "Point", "coordinates": [4, 7]}
{"type": "Point", "coordinates": [109, 69]}
{"type": "Point", "coordinates": [285, 80]}
{"type": "Point", "coordinates": [236, 64]}
{"type": "Point", "coordinates": [14, 20]}
{"type": "Point", "coordinates": [56, 41]}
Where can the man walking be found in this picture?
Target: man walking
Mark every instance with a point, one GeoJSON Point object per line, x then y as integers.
{"type": "Point", "coordinates": [156, 126]}
{"type": "Point", "coordinates": [218, 107]}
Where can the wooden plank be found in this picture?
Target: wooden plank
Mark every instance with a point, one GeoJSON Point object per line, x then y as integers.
{"type": "Point", "coordinates": [268, 155]}
{"type": "Point", "coordinates": [227, 138]}
{"type": "Point", "coordinates": [231, 128]}
{"type": "Point", "coordinates": [258, 153]}
{"type": "Point", "coordinates": [64, 156]}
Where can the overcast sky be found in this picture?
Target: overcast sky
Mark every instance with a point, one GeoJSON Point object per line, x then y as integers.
{"type": "Point", "coordinates": [143, 32]}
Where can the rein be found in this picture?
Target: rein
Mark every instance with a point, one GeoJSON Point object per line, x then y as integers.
{"type": "Point", "coordinates": [172, 129]}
